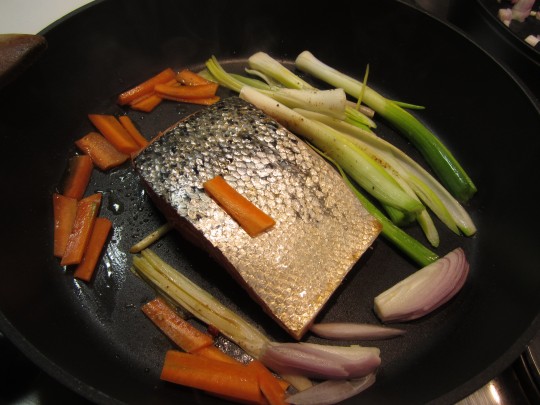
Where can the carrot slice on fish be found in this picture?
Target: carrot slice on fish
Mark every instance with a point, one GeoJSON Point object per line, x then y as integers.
{"type": "Point", "coordinates": [189, 78]}
{"type": "Point", "coordinates": [116, 134]}
{"type": "Point", "coordinates": [79, 173]}
{"type": "Point", "coordinates": [64, 210]}
{"type": "Point", "coordinates": [100, 233]}
{"type": "Point", "coordinates": [181, 332]}
{"type": "Point", "coordinates": [187, 92]}
{"type": "Point", "coordinates": [249, 217]}
{"type": "Point", "coordinates": [103, 153]}
{"type": "Point", "coordinates": [85, 217]}
{"type": "Point", "coordinates": [128, 124]}
{"type": "Point", "coordinates": [233, 381]}
{"type": "Point", "coordinates": [146, 87]}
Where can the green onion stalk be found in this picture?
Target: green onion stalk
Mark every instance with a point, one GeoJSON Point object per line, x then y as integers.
{"type": "Point", "coordinates": [434, 151]}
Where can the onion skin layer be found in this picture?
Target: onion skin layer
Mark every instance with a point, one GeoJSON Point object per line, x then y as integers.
{"type": "Point", "coordinates": [322, 362]}
{"type": "Point", "coordinates": [331, 391]}
{"type": "Point", "coordinates": [354, 331]}
{"type": "Point", "coordinates": [425, 290]}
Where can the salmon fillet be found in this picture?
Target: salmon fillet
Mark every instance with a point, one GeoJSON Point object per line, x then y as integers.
{"type": "Point", "coordinates": [321, 228]}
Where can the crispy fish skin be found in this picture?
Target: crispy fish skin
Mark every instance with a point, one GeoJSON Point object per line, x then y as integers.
{"type": "Point", "coordinates": [321, 228]}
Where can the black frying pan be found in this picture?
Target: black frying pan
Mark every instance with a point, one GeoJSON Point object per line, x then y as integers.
{"type": "Point", "coordinates": [94, 338]}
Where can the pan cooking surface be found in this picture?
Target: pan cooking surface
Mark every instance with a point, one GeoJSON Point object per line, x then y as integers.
{"type": "Point", "coordinates": [106, 48]}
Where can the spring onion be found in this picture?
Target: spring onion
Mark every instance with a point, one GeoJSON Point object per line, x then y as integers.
{"type": "Point", "coordinates": [363, 169]}
{"type": "Point", "coordinates": [264, 63]}
{"type": "Point", "coordinates": [198, 302]}
{"type": "Point", "coordinates": [399, 238]}
{"type": "Point", "coordinates": [436, 154]}
{"type": "Point", "coordinates": [430, 191]}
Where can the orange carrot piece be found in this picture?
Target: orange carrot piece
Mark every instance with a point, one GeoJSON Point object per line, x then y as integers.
{"type": "Point", "coordinates": [101, 151]}
{"type": "Point", "coordinates": [270, 386]}
{"type": "Point", "coordinates": [213, 353]}
{"type": "Point", "coordinates": [200, 91]}
{"type": "Point", "coordinates": [87, 211]}
{"type": "Point", "coordinates": [116, 134]}
{"type": "Point", "coordinates": [147, 104]}
{"type": "Point", "coordinates": [200, 101]}
{"type": "Point", "coordinates": [146, 87]}
{"type": "Point", "coordinates": [100, 233]}
{"type": "Point", "coordinates": [64, 209]}
{"type": "Point", "coordinates": [233, 381]}
{"type": "Point", "coordinates": [79, 173]}
{"type": "Point", "coordinates": [181, 332]}
{"type": "Point", "coordinates": [128, 124]}
{"type": "Point", "coordinates": [251, 219]}
{"type": "Point", "coordinates": [189, 78]}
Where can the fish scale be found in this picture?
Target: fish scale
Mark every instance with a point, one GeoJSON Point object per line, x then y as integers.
{"type": "Point", "coordinates": [321, 228]}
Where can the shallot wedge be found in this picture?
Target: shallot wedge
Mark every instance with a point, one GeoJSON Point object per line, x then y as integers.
{"type": "Point", "coordinates": [425, 290]}
{"type": "Point", "coordinates": [331, 391]}
{"type": "Point", "coordinates": [321, 361]}
{"type": "Point", "coordinates": [354, 331]}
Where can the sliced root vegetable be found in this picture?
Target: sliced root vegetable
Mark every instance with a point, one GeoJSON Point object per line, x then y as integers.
{"type": "Point", "coordinates": [251, 219]}
{"type": "Point", "coordinates": [64, 211]}
{"type": "Point", "coordinates": [270, 386]}
{"type": "Point", "coordinates": [101, 151]}
{"type": "Point", "coordinates": [233, 381]}
{"type": "Point", "coordinates": [425, 290]}
{"type": "Point", "coordinates": [128, 124]}
{"type": "Point", "coordinates": [78, 176]}
{"type": "Point", "coordinates": [180, 331]}
{"type": "Point", "coordinates": [100, 232]}
{"type": "Point", "coordinates": [321, 361]}
{"type": "Point", "coordinates": [332, 391]}
{"type": "Point", "coordinates": [213, 353]}
{"type": "Point", "coordinates": [145, 88]}
{"type": "Point", "coordinates": [147, 104]}
{"type": "Point", "coordinates": [187, 92]}
{"type": "Point", "coordinates": [87, 211]}
{"type": "Point", "coordinates": [354, 331]}
{"type": "Point", "coordinates": [116, 134]}
{"type": "Point", "coordinates": [199, 101]}
{"type": "Point", "coordinates": [188, 78]}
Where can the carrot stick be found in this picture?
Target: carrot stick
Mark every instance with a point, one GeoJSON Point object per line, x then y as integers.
{"type": "Point", "coordinates": [181, 332]}
{"type": "Point", "coordinates": [270, 386]}
{"type": "Point", "coordinates": [251, 219]}
{"type": "Point", "coordinates": [147, 104]}
{"type": "Point", "coordinates": [189, 78]}
{"type": "Point", "coordinates": [128, 124]}
{"type": "Point", "coordinates": [115, 133]}
{"type": "Point", "coordinates": [103, 153]}
{"type": "Point", "coordinates": [213, 353]}
{"type": "Point", "coordinates": [79, 173]}
{"type": "Point", "coordinates": [146, 87]}
{"type": "Point", "coordinates": [100, 233]}
{"type": "Point", "coordinates": [64, 209]}
{"type": "Point", "coordinates": [200, 101]}
{"type": "Point", "coordinates": [200, 91]}
{"type": "Point", "coordinates": [233, 381]}
{"type": "Point", "coordinates": [87, 210]}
